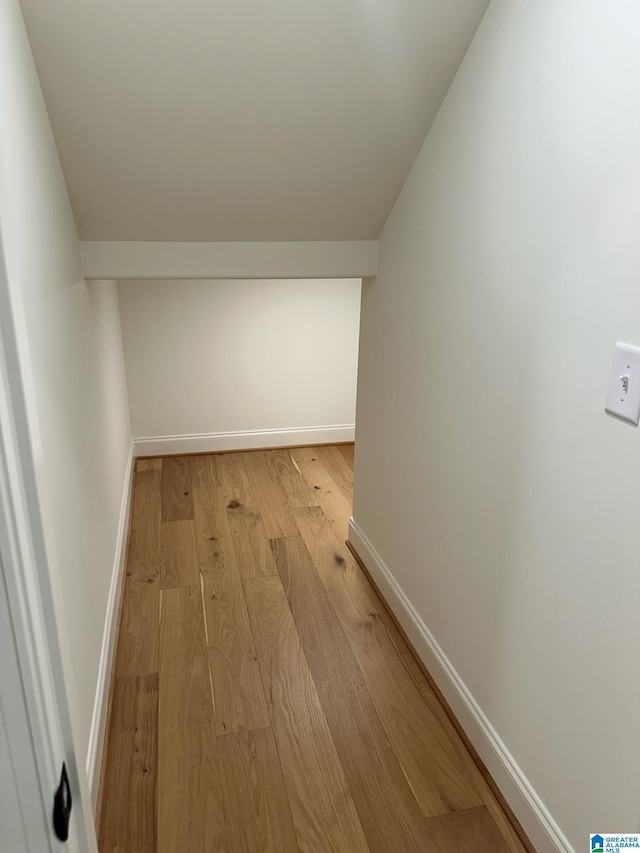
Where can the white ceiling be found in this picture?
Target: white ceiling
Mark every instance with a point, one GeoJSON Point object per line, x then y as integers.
{"type": "Point", "coordinates": [240, 120]}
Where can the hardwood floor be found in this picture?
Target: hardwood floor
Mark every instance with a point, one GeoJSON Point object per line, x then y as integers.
{"type": "Point", "coordinates": [262, 697]}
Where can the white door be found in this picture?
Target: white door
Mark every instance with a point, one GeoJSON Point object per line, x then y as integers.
{"type": "Point", "coordinates": [24, 817]}
{"type": "Point", "coordinates": [13, 827]}
{"type": "Point", "coordinates": [36, 734]}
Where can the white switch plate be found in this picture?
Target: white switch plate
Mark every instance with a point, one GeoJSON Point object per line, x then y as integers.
{"type": "Point", "coordinates": [623, 393]}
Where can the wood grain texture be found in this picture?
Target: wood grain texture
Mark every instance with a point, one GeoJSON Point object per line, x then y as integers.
{"type": "Point", "coordinates": [263, 471]}
{"type": "Point", "coordinates": [233, 478]}
{"type": "Point", "coordinates": [137, 647]}
{"type": "Point", "coordinates": [202, 472]}
{"type": "Point", "coordinates": [438, 777]}
{"type": "Point", "coordinates": [250, 542]}
{"type": "Point", "coordinates": [511, 832]}
{"type": "Point", "coordinates": [238, 694]}
{"type": "Point", "coordinates": [323, 812]}
{"type": "Point", "coordinates": [178, 555]}
{"type": "Point", "coordinates": [177, 501]}
{"type": "Point", "coordinates": [515, 840]}
{"type": "Point", "coordinates": [337, 729]}
{"type": "Point", "coordinates": [471, 831]}
{"type": "Point", "coordinates": [386, 805]}
{"type": "Point", "coordinates": [137, 643]}
{"type": "Point", "coordinates": [128, 815]}
{"type": "Point", "coordinates": [297, 491]}
{"type": "Point", "coordinates": [214, 544]}
{"type": "Point", "coordinates": [339, 469]}
{"type": "Point", "coordinates": [149, 464]}
{"type": "Point", "coordinates": [347, 451]}
{"type": "Point", "coordinates": [336, 506]}
{"type": "Point", "coordinates": [257, 810]}
{"type": "Point", "coordinates": [143, 552]}
{"type": "Point", "coordinates": [146, 508]}
{"type": "Point", "coordinates": [279, 462]}
{"type": "Point", "coordinates": [190, 802]}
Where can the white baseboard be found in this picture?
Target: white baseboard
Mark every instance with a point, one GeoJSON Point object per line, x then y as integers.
{"type": "Point", "coordinates": [542, 830]}
{"type": "Point", "coordinates": [101, 702]}
{"type": "Point", "coordinates": [161, 445]}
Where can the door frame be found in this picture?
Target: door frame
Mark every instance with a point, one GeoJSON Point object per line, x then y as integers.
{"type": "Point", "coordinates": [29, 589]}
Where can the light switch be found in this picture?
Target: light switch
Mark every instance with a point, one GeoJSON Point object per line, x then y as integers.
{"type": "Point", "coordinates": [623, 393]}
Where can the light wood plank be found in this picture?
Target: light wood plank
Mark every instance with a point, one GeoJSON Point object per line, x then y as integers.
{"type": "Point", "coordinates": [213, 536]}
{"type": "Point", "coordinates": [441, 773]}
{"type": "Point", "coordinates": [137, 649]}
{"type": "Point", "coordinates": [129, 815]}
{"type": "Point", "coordinates": [335, 504]}
{"type": "Point", "coordinates": [190, 800]}
{"type": "Point", "coordinates": [250, 542]}
{"type": "Point", "coordinates": [177, 500]}
{"type": "Point", "coordinates": [279, 461]}
{"type": "Point", "coordinates": [233, 478]}
{"type": "Point", "coordinates": [256, 805]}
{"type": "Point", "coordinates": [471, 831]}
{"type": "Point", "coordinates": [202, 471]}
{"type": "Point", "coordinates": [178, 555]}
{"type": "Point", "coordinates": [297, 491]}
{"type": "Point", "coordinates": [507, 832]}
{"type": "Point", "coordinates": [340, 470]}
{"type": "Point", "coordinates": [146, 504]}
{"type": "Point", "coordinates": [143, 556]}
{"type": "Point", "coordinates": [238, 694]}
{"type": "Point", "coordinates": [149, 464]}
{"type": "Point", "coordinates": [274, 511]}
{"type": "Point", "coordinates": [437, 776]}
{"type": "Point", "coordinates": [348, 452]}
{"type": "Point", "coordinates": [472, 771]}
{"type": "Point", "coordinates": [137, 646]}
{"type": "Point", "coordinates": [389, 813]}
{"type": "Point", "coordinates": [323, 812]}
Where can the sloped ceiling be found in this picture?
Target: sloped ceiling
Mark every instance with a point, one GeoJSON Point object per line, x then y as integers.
{"type": "Point", "coordinates": [242, 120]}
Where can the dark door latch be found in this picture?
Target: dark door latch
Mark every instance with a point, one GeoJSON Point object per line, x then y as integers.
{"type": "Point", "coordinates": [62, 806]}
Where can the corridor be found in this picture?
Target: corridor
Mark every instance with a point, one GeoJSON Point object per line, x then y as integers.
{"type": "Point", "coordinates": [262, 698]}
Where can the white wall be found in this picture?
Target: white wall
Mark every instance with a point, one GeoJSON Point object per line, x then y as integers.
{"type": "Point", "coordinates": [317, 259]}
{"type": "Point", "coordinates": [488, 477]}
{"type": "Point", "coordinates": [73, 369]}
{"type": "Point", "coordinates": [227, 356]}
